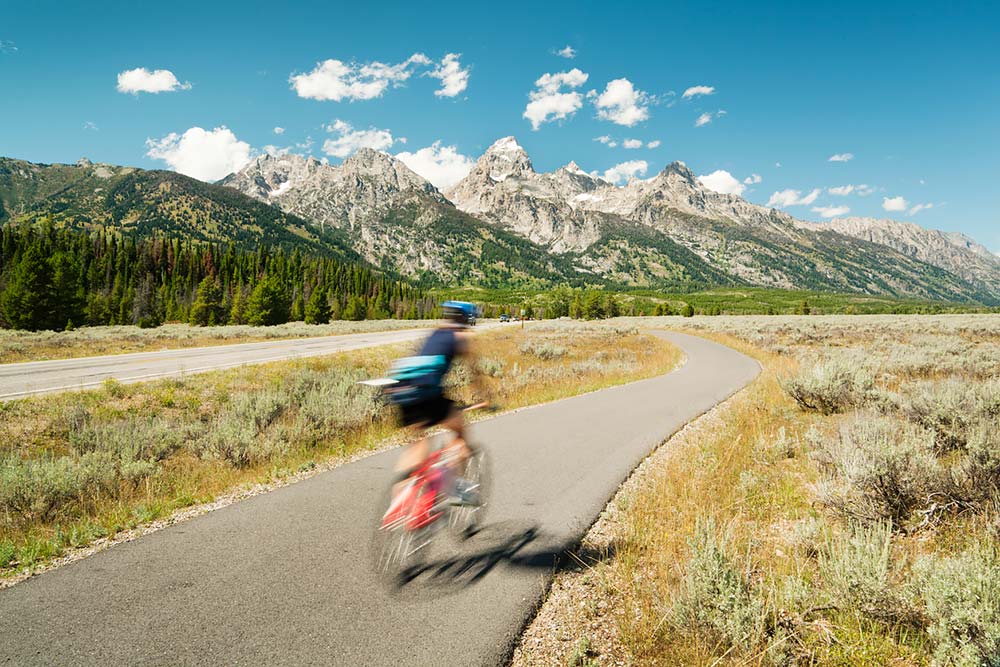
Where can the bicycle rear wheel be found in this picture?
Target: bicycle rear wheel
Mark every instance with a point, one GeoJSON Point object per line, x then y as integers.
{"type": "Point", "coordinates": [396, 546]}
{"type": "Point", "coordinates": [465, 520]}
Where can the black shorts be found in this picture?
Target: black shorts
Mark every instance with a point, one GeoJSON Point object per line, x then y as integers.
{"type": "Point", "coordinates": [426, 413]}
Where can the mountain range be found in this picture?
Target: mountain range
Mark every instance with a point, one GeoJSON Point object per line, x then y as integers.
{"type": "Point", "coordinates": [669, 229]}
{"type": "Point", "coordinates": [507, 224]}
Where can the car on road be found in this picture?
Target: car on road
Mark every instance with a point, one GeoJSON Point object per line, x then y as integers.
{"type": "Point", "coordinates": [505, 318]}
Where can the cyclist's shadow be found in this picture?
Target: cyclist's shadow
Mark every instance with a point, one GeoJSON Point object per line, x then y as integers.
{"type": "Point", "coordinates": [456, 565]}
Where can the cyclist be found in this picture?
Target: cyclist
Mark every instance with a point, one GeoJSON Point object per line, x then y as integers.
{"type": "Point", "coordinates": [421, 398]}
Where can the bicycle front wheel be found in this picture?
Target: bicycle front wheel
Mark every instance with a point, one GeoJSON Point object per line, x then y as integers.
{"type": "Point", "coordinates": [466, 519]}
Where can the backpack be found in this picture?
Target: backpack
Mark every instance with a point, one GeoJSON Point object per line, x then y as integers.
{"type": "Point", "coordinates": [417, 379]}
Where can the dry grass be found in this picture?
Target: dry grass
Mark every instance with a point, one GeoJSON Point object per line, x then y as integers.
{"type": "Point", "coordinates": [842, 510]}
{"type": "Point", "coordinates": [75, 467]}
{"type": "Point", "coordinates": [16, 345]}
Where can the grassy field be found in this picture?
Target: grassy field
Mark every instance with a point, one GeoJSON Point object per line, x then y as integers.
{"type": "Point", "coordinates": [843, 510]}
{"type": "Point", "coordinates": [16, 345]}
{"type": "Point", "coordinates": [717, 301]}
{"type": "Point", "coordinates": [76, 467]}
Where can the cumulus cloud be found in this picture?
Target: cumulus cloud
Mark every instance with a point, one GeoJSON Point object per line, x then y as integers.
{"type": "Point", "coordinates": [841, 157]}
{"type": "Point", "coordinates": [279, 130]}
{"type": "Point", "coordinates": [622, 103]}
{"type": "Point", "coordinates": [831, 211]}
{"type": "Point", "coordinates": [443, 166]}
{"type": "Point", "coordinates": [722, 181]}
{"type": "Point", "coordinates": [753, 179]}
{"type": "Point", "coordinates": [454, 79]}
{"type": "Point", "coordinates": [626, 170]}
{"type": "Point", "coordinates": [894, 204]}
{"type": "Point", "coordinates": [632, 143]}
{"type": "Point", "coordinates": [695, 91]}
{"type": "Point", "coordinates": [548, 102]}
{"type": "Point", "coordinates": [336, 80]}
{"type": "Point", "coordinates": [654, 144]}
{"type": "Point", "coordinates": [349, 140]}
{"type": "Point", "coordinates": [841, 190]}
{"type": "Point", "coordinates": [567, 52]}
{"type": "Point", "coordinates": [920, 207]}
{"type": "Point", "coordinates": [607, 141]}
{"type": "Point", "coordinates": [142, 80]}
{"type": "Point", "coordinates": [789, 197]}
{"type": "Point", "coordinates": [207, 155]}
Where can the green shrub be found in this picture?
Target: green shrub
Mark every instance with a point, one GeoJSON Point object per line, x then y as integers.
{"type": "Point", "coordinates": [8, 552]}
{"type": "Point", "coordinates": [962, 604]}
{"type": "Point", "coordinates": [880, 468]}
{"type": "Point", "coordinates": [976, 477]}
{"type": "Point", "coordinates": [491, 367]}
{"type": "Point", "coordinates": [543, 350]}
{"type": "Point", "coordinates": [858, 572]}
{"type": "Point", "coordinates": [831, 387]}
{"type": "Point", "coordinates": [714, 600]}
{"type": "Point", "coordinates": [952, 409]}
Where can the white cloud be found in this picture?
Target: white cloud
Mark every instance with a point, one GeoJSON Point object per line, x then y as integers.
{"type": "Point", "coordinates": [453, 78]}
{"type": "Point", "coordinates": [549, 103]}
{"type": "Point", "coordinates": [708, 117]}
{"type": "Point", "coordinates": [695, 91]}
{"type": "Point", "coordinates": [789, 197]}
{"type": "Point", "coordinates": [865, 190]}
{"type": "Point", "coordinates": [336, 80]}
{"type": "Point", "coordinates": [632, 143]}
{"type": "Point", "coordinates": [841, 190]}
{"type": "Point", "coordinates": [90, 125]}
{"type": "Point", "coordinates": [654, 144]}
{"type": "Point", "coordinates": [349, 140]}
{"type": "Point", "coordinates": [753, 179]}
{"type": "Point", "coordinates": [141, 80]}
{"type": "Point", "coordinates": [607, 141]}
{"type": "Point", "coordinates": [621, 103]}
{"type": "Point", "coordinates": [841, 157]}
{"type": "Point", "coordinates": [567, 52]}
{"type": "Point", "coordinates": [831, 211]}
{"type": "Point", "coordinates": [279, 130]}
{"type": "Point", "coordinates": [722, 181]}
{"type": "Point", "coordinates": [920, 207]}
{"type": "Point", "coordinates": [626, 170]}
{"type": "Point", "coordinates": [276, 151]}
{"type": "Point", "coordinates": [207, 155]}
{"type": "Point", "coordinates": [894, 203]}
{"type": "Point", "coordinates": [441, 165]}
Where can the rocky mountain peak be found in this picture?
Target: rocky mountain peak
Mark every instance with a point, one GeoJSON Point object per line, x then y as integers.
{"type": "Point", "coordinates": [505, 158]}
{"type": "Point", "coordinates": [678, 169]}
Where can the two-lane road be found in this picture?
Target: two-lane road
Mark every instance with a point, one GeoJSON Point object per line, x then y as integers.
{"type": "Point", "coordinates": [284, 578]}
{"type": "Point", "coordinates": [38, 377]}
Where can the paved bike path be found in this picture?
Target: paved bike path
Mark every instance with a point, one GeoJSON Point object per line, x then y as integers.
{"type": "Point", "coordinates": [284, 578]}
{"type": "Point", "coordinates": [39, 377]}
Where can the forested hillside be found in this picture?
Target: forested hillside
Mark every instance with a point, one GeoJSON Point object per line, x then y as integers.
{"type": "Point", "coordinates": [57, 278]}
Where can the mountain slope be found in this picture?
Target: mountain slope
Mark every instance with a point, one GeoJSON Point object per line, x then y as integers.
{"type": "Point", "coordinates": [136, 202]}
{"type": "Point", "coordinates": [954, 252]}
{"type": "Point", "coordinates": [568, 212]}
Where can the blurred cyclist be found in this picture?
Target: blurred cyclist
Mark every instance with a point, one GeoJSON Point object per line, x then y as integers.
{"type": "Point", "coordinates": [420, 393]}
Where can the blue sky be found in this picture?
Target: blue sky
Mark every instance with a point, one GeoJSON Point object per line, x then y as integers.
{"type": "Point", "coordinates": [911, 90]}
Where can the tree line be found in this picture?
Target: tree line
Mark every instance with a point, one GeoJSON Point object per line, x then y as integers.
{"type": "Point", "coordinates": [58, 278]}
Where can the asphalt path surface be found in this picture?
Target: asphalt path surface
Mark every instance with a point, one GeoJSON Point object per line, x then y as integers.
{"type": "Point", "coordinates": [39, 377]}
{"type": "Point", "coordinates": [284, 578]}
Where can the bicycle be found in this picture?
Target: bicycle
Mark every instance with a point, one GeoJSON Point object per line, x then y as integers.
{"type": "Point", "coordinates": [426, 503]}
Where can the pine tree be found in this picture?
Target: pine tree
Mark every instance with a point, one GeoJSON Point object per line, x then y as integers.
{"type": "Point", "coordinates": [318, 307]}
{"type": "Point", "coordinates": [207, 307]}
{"type": "Point", "coordinates": [25, 302]}
{"type": "Point", "coordinates": [268, 303]}
{"type": "Point", "coordinates": [355, 309]}
{"type": "Point", "coordinates": [688, 310]}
